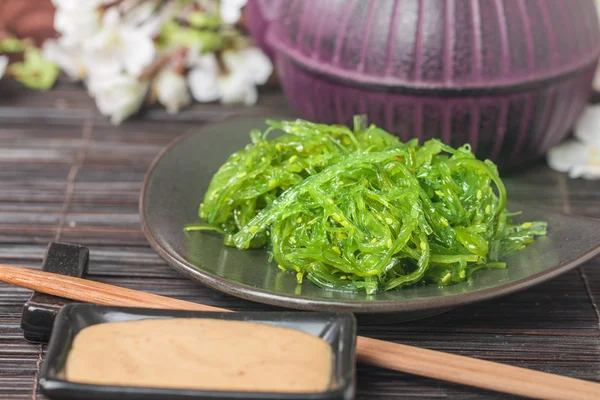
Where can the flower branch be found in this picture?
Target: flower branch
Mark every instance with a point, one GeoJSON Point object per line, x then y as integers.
{"type": "Point", "coordinates": [170, 51]}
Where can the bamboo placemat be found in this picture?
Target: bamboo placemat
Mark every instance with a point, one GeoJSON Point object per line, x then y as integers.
{"type": "Point", "coordinates": [66, 173]}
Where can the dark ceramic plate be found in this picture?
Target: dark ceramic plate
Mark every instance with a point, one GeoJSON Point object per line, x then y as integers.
{"type": "Point", "coordinates": [338, 329]}
{"type": "Point", "coordinates": [175, 186]}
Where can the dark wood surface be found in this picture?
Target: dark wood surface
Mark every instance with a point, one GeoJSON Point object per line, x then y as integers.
{"type": "Point", "coordinates": [67, 174]}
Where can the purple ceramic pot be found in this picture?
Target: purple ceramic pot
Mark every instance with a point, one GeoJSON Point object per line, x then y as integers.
{"type": "Point", "coordinates": [258, 15]}
{"type": "Point", "coordinates": [507, 76]}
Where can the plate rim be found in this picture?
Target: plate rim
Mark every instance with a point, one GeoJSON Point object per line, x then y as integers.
{"type": "Point", "coordinates": [239, 290]}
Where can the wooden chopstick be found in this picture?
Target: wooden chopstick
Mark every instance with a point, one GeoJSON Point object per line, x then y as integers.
{"type": "Point", "coordinates": [394, 356]}
{"type": "Point", "coordinates": [93, 292]}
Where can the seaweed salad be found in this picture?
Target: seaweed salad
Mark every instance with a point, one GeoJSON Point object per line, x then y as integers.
{"type": "Point", "coordinates": [357, 209]}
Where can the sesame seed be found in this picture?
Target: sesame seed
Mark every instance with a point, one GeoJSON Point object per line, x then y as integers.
{"type": "Point", "coordinates": [389, 243]}
{"type": "Point", "coordinates": [292, 240]}
{"type": "Point", "coordinates": [423, 246]}
{"type": "Point", "coordinates": [336, 250]}
{"type": "Point", "coordinates": [488, 209]}
{"type": "Point", "coordinates": [293, 159]}
{"type": "Point", "coordinates": [330, 201]}
{"type": "Point", "coordinates": [479, 195]}
{"type": "Point", "coordinates": [299, 220]}
{"type": "Point", "coordinates": [389, 221]}
{"type": "Point", "coordinates": [526, 225]}
{"type": "Point", "coordinates": [253, 228]}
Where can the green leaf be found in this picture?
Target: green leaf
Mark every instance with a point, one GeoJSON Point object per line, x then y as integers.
{"type": "Point", "coordinates": [174, 35]}
{"type": "Point", "coordinates": [12, 45]}
{"type": "Point", "coordinates": [202, 20]}
{"type": "Point", "coordinates": [35, 71]}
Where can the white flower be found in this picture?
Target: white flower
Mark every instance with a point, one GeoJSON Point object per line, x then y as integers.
{"type": "Point", "coordinates": [171, 90]}
{"type": "Point", "coordinates": [143, 16]}
{"type": "Point", "coordinates": [231, 10]}
{"type": "Point", "coordinates": [3, 65]}
{"type": "Point", "coordinates": [247, 68]}
{"type": "Point", "coordinates": [118, 96]}
{"type": "Point", "coordinates": [137, 12]}
{"type": "Point", "coordinates": [235, 89]}
{"type": "Point", "coordinates": [67, 56]}
{"type": "Point", "coordinates": [252, 61]}
{"type": "Point", "coordinates": [244, 69]}
{"type": "Point", "coordinates": [203, 78]}
{"type": "Point", "coordinates": [119, 46]}
{"type": "Point", "coordinates": [580, 157]}
{"type": "Point", "coordinates": [587, 126]}
{"type": "Point", "coordinates": [77, 20]}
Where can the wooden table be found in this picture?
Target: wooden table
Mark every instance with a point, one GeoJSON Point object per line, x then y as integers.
{"type": "Point", "coordinates": [67, 174]}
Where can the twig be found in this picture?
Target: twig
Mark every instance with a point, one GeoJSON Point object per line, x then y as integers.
{"type": "Point", "coordinates": [150, 71]}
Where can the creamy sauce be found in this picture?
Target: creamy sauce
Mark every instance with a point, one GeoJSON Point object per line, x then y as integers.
{"type": "Point", "coordinates": [200, 354]}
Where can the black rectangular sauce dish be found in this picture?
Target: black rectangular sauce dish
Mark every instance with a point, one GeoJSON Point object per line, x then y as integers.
{"type": "Point", "coordinates": [338, 329]}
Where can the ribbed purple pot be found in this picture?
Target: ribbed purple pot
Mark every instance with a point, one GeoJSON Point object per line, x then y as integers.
{"type": "Point", "coordinates": [258, 15]}
{"type": "Point", "coordinates": [508, 76]}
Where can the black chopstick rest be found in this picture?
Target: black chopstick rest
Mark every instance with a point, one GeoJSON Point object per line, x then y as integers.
{"type": "Point", "coordinates": [41, 309]}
